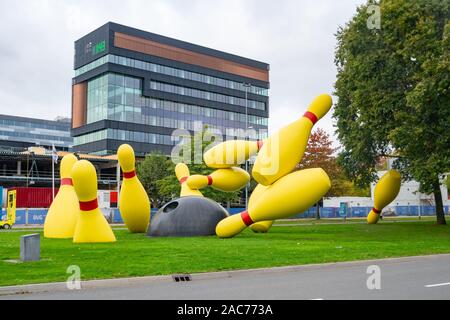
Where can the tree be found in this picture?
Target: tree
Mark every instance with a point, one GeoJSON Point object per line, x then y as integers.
{"type": "Point", "coordinates": [169, 186]}
{"type": "Point", "coordinates": [319, 154]}
{"type": "Point", "coordinates": [150, 170]}
{"type": "Point", "coordinates": [393, 89]}
{"type": "Point", "coordinates": [343, 186]}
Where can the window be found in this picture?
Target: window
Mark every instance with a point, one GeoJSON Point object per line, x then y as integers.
{"type": "Point", "coordinates": [206, 95]}
{"type": "Point", "coordinates": [169, 71]}
{"type": "Point", "coordinates": [108, 100]}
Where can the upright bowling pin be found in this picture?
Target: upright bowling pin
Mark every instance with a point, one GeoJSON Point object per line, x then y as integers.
{"type": "Point", "coordinates": [283, 150]}
{"type": "Point", "coordinates": [134, 204]}
{"type": "Point", "coordinates": [91, 225]}
{"type": "Point", "coordinates": [182, 173]}
{"type": "Point", "coordinates": [386, 190]}
{"type": "Point", "coordinates": [261, 226]}
{"type": "Point", "coordinates": [227, 180]}
{"type": "Point", "coordinates": [291, 194]}
{"type": "Point", "coordinates": [64, 211]}
{"type": "Point", "coordinates": [230, 153]}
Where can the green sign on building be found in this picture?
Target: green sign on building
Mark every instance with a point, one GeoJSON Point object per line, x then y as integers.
{"type": "Point", "coordinates": [99, 47]}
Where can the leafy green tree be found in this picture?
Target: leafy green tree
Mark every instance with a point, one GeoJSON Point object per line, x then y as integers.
{"type": "Point", "coordinates": [169, 186]}
{"type": "Point", "coordinates": [149, 171]}
{"type": "Point", "coordinates": [393, 89]}
{"type": "Point", "coordinates": [343, 186]}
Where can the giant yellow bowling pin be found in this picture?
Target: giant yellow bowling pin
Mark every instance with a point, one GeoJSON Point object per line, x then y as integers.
{"type": "Point", "coordinates": [134, 204]}
{"type": "Point", "coordinates": [386, 190]}
{"type": "Point", "coordinates": [231, 153]}
{"type": "Point", "coordinates": [182, 173]}
{"type": "Point", "coordinates": [291, 194]}
{"type": "Point", "coordinates": [283, 150]}
{"type": "Point", "coordinates": [91, 225]}
{"type": "Point", "coordinates": [227, 180]}
{"type": "Point", "coordinates": [261, 226]}
{"type": "Point", "coordinates": [64, 211]}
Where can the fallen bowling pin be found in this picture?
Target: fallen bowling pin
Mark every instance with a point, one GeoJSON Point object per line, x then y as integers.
{"type": "Point", "coordinates": [91, 225]}
{"type": "Point", "coordinates": [231, 153]}
{"type": "Point", "coordinates": [227, 180]}
{"type": "Point", "coordinates": [64, 211]}
{"type": "Point", "coordinates": [262, 226]}
{"type": "Point", "coordinates": [291, 194]}
{"type": "Point", "coordinates": [283, 150]}
{"type": "Point", "coordinates": [386, 190]}
{"type": "Point", "coordinates": [134, 204]}
{"type": "Point", "coordinates": [182, 173]}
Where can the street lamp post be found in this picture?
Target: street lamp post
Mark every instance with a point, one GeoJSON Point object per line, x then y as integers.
{"type": "Point", "coordinates": [247, 86]}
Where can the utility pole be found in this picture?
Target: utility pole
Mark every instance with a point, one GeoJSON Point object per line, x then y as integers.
{"type": "Point", "coordinates": [247, 86]}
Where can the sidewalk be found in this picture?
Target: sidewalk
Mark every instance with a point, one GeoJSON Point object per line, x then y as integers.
{"type": "Point", "coordinates": [114, 284]}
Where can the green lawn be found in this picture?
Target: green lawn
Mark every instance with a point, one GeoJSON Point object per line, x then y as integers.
{"type": "Point", "coordinates": [357, 220]}
{"type": "Point", "coordinates": [138, 255]}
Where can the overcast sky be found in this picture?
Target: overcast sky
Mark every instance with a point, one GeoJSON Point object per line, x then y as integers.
{"type": "Point", "coordinates": [296, 37]}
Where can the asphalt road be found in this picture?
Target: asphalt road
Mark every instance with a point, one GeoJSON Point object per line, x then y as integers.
{"type": "Point", "coordinates": [426, 277]}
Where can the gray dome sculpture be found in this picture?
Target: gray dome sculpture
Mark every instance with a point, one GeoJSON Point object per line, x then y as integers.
{"type": "Point", "coordinates": [187, 217]}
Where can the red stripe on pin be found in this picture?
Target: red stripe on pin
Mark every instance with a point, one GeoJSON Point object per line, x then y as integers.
{"type": "Point", "coordinates": [260, 144]}
{"type": "Point", "coordinates": [311, 116]}
{"type": "Point", "coordinates": [88, 205]}
{"type": "Point", "coordinates": [210, 180]}
{"type": "Point", "coordinates": [376, 210]}
{"type": "Point", "coordinates": [183, 180]}
{"type": "Point", "coordinates": [246, 218]}
{"type": "Point", "coordinates": [128, 175]}
{"type": "Point", "coordinates": [66, 182]}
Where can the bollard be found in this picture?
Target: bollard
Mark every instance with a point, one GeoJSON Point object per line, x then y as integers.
{"type": "Point", "coordinates": [30, 247]}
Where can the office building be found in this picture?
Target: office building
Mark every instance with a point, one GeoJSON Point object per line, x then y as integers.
{"type": "Point", "coordinates": [23, 132]}
{"type": "Point", "coordinates": [136, 87]}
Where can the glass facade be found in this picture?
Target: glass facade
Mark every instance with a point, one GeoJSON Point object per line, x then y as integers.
{"type": "Point", "coordinates": [184, 91]}
{"type": "Point", "coordinates": [117, 134]}
{"type": "Point", "coordinates": [158, 68]}
{"type": "Point", "coordinates": [118, 97]}
{"type": "Point", "coordinates": [35, 132]}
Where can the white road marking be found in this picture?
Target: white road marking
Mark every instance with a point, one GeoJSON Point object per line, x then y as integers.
{"type": "Point", "coordinates": [437, 285]}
